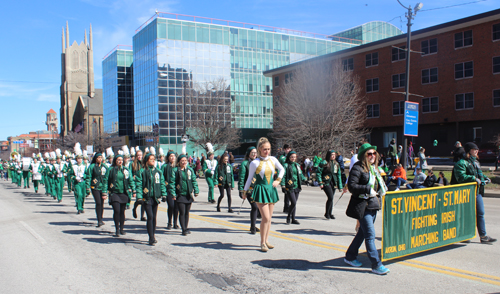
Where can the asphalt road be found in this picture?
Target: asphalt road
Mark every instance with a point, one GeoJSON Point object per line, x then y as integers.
{"type": "Point", "coordinates": [47, 248]}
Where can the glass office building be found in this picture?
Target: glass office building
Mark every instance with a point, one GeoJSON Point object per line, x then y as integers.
{"type": "Point", "coordinates": [369, 32]}
{"type": "Point", "coordinates": [118, 93]}
{"type": "Point", "coordinates": [172, 54]}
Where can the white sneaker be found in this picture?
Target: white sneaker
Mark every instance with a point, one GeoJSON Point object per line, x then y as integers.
{"type": "Point", "coordinates": [397, 189]}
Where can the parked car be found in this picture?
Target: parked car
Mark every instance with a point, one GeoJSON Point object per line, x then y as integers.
{"type": "Point", "coordinates": [488, 152]}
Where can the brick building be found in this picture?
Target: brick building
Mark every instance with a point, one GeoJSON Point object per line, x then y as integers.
{"type": "Point", "coordinates": [457, 73]}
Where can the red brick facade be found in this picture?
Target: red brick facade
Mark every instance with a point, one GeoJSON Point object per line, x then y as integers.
{"type": "Point", "coordinates": [447, 124]}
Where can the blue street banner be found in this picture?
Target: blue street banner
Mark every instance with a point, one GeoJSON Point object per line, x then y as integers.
{"type": "Point", "coordinates": [419, 220]}
{"type": "Point", "coordinates": [411, 119]}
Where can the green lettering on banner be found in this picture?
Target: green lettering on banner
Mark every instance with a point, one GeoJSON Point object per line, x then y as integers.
{"type": "Point", "coordinates": [423, 219]}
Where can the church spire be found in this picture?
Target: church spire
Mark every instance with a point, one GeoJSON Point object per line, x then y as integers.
{"type": "Point", "coordinates": [90, 38]}
{"type": "Point", "coordinates": [67, 35]}
{"type": "Point", "coordinates": [85, 39]}
{"type": "Point", "coordinates": [63, 41]}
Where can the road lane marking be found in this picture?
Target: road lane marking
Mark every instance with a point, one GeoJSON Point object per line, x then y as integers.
{"type": "Point", "coordinates": [32, 232]}
{"type": "Point", "coordinates": [489, 279]}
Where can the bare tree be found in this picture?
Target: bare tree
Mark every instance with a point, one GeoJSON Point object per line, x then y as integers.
{"type": "Point", "coordinates": [210, 115]}
{"type": "Point", "coordinates": [68, 142]}
{"type": "Point", "coordinates": [319, 107]}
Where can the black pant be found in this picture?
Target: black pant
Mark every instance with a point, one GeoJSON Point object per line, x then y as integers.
{"type": "Point", "coordinates": [286, 202]}
{"type": "Point", "coordinates": [329, 191]}
{"type": "Point", "coordinates": [172, 210]}
{"type": "Point", "coordinates": [293, 195]}
{"type": "Point", "coordinates": [142, 208]}
{"type": "Point", "coordinates": [184, 214]}
{"type": "Point", "coordinates": [151, 207]}
{"type": "Point", "coordinates": [119, 214]}
{"type": "Point", "coordinates": [228, 192]}
{"type": "Point", "coordinates": [253, 214]}
{"type": "Point", "coordinates": [99, 207]}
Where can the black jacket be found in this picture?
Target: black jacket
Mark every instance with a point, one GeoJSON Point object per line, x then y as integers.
{"type": "Point", "coordinates": [430, 180]}
{"type": "Point", "coordinates": [358, 185]}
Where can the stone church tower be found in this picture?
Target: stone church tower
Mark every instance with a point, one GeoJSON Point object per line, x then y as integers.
{"type": "Point", "coordinates": [77, 80]}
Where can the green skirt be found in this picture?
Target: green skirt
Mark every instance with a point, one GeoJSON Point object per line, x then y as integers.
{"type": "Point", "coordinates": [265, 194]}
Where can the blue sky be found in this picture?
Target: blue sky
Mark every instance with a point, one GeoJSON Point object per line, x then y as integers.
{"type": "Point", "coordinates": [30, 70]}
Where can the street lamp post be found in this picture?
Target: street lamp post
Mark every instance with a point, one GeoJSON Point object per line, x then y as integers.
{"type": "Point", "coordinates": [409, 15]}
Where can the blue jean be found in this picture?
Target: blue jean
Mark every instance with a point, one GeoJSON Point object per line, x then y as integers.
{"type": "Point", "coordinates": [366, 232]}
{"type": "Point", "coordinates": [481, 227]}
{"type": "Point", "coordinates": [414, 186]}
{"type": "Point", "coordinates": [397, 181]}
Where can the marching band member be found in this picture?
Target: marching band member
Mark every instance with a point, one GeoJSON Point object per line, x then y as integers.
{"type": "Point", "coordinates": [18, 170]}
{"type": "Point", "coordinates": [95, 182]}
{"type": "Point", "coordinates": [137, 169]}
{"type": "Point", "coordinates": [59, 171]}
{"type": "Point", "coordinates": [224, 179]}
{"type": "Point", "coordinates": [282, 160]}
{"type": "Point", "coordinates": [126, 162]}
{"type": "Point", "coordinates": [264, 191]}
{"type": "Point", "coordinates": [49, 174]}
{"type": "Point", "coordinates": [120, 186]}
{"type": "Point", "coordinates": [182, 186]}
{"type": "Point", "coordinates": [292, 184]}
{"type": "Point", "coordinates": [77, 175]}
{"type": "Point", "coordinates": [150, 189]}
{"type": "Point", "coordinates": [243, 176]}
{"type": "Point", "coordinates": [209, 170]}
{"type": "Point", "coordinates": [35, 169]}
{"type": "Point", "coordinates": [329, 178]}
{"type": "Point", "coordinates": [168, 173]}
{"type": "Point", "coordinates": [25, 164]}
{"type": "Point", "coordinates": [67, 157]}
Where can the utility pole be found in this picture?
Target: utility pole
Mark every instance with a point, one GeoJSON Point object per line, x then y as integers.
{"type": "Point", "coordinates": [409, 15]}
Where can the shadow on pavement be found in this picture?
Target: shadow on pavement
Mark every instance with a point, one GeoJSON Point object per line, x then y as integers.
{"type": "Point", "coordinates": [217, 246]}
{"type": "Point", "coordinates": [316, 232]}
{"type": "Point", "coordinates": [112, 240]}
{"type": "Point", "coordinates": [215, 230]}
{"type": "Point", "coordinates": [426, 253]}
{"type": "Point", "coordinates": [305, 265]}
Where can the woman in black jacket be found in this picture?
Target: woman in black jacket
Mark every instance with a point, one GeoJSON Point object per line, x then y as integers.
{"type": "Point", "coordinates": [121, 187]}
{"type": "Point", "coordinates": [150, 189]}
{"type": "Point", "coordinates": [442, 181]}
{"type": "Point", "coordinates": [172, 210]}
{"type": "Point", "coordinates": [182, 186]}
{"type": "Point", "coordinates": [367, 186]}
{"type": "Point", "coordinates": [94, 179]}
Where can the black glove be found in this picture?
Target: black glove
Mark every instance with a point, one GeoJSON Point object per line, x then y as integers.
{"type": "Point", "coordinates": [164, 199]}
{"type": "Point", "coordinates": [241, 194]}
{"type": "Point", "coordinates": [284, 190]}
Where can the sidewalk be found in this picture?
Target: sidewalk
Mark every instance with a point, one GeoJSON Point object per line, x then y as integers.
{"type": "Point", "coordinates": [492, 193]}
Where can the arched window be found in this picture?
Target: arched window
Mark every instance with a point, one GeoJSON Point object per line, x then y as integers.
{"type": "Point", "coordinates": [83, 60]}
{"type": "Point", "coordinates": [74, 60]}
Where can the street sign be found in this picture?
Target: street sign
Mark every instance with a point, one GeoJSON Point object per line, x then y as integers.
{"type": "Point", "coordinates": [90, 149]}
{"type": "Point", "coordinates": [411, 119]}
{"type": "Point", "coordinates": [185, 138]}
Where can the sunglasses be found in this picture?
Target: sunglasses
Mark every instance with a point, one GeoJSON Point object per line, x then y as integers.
{"type": "Point", "coordinates": [371, 153]}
